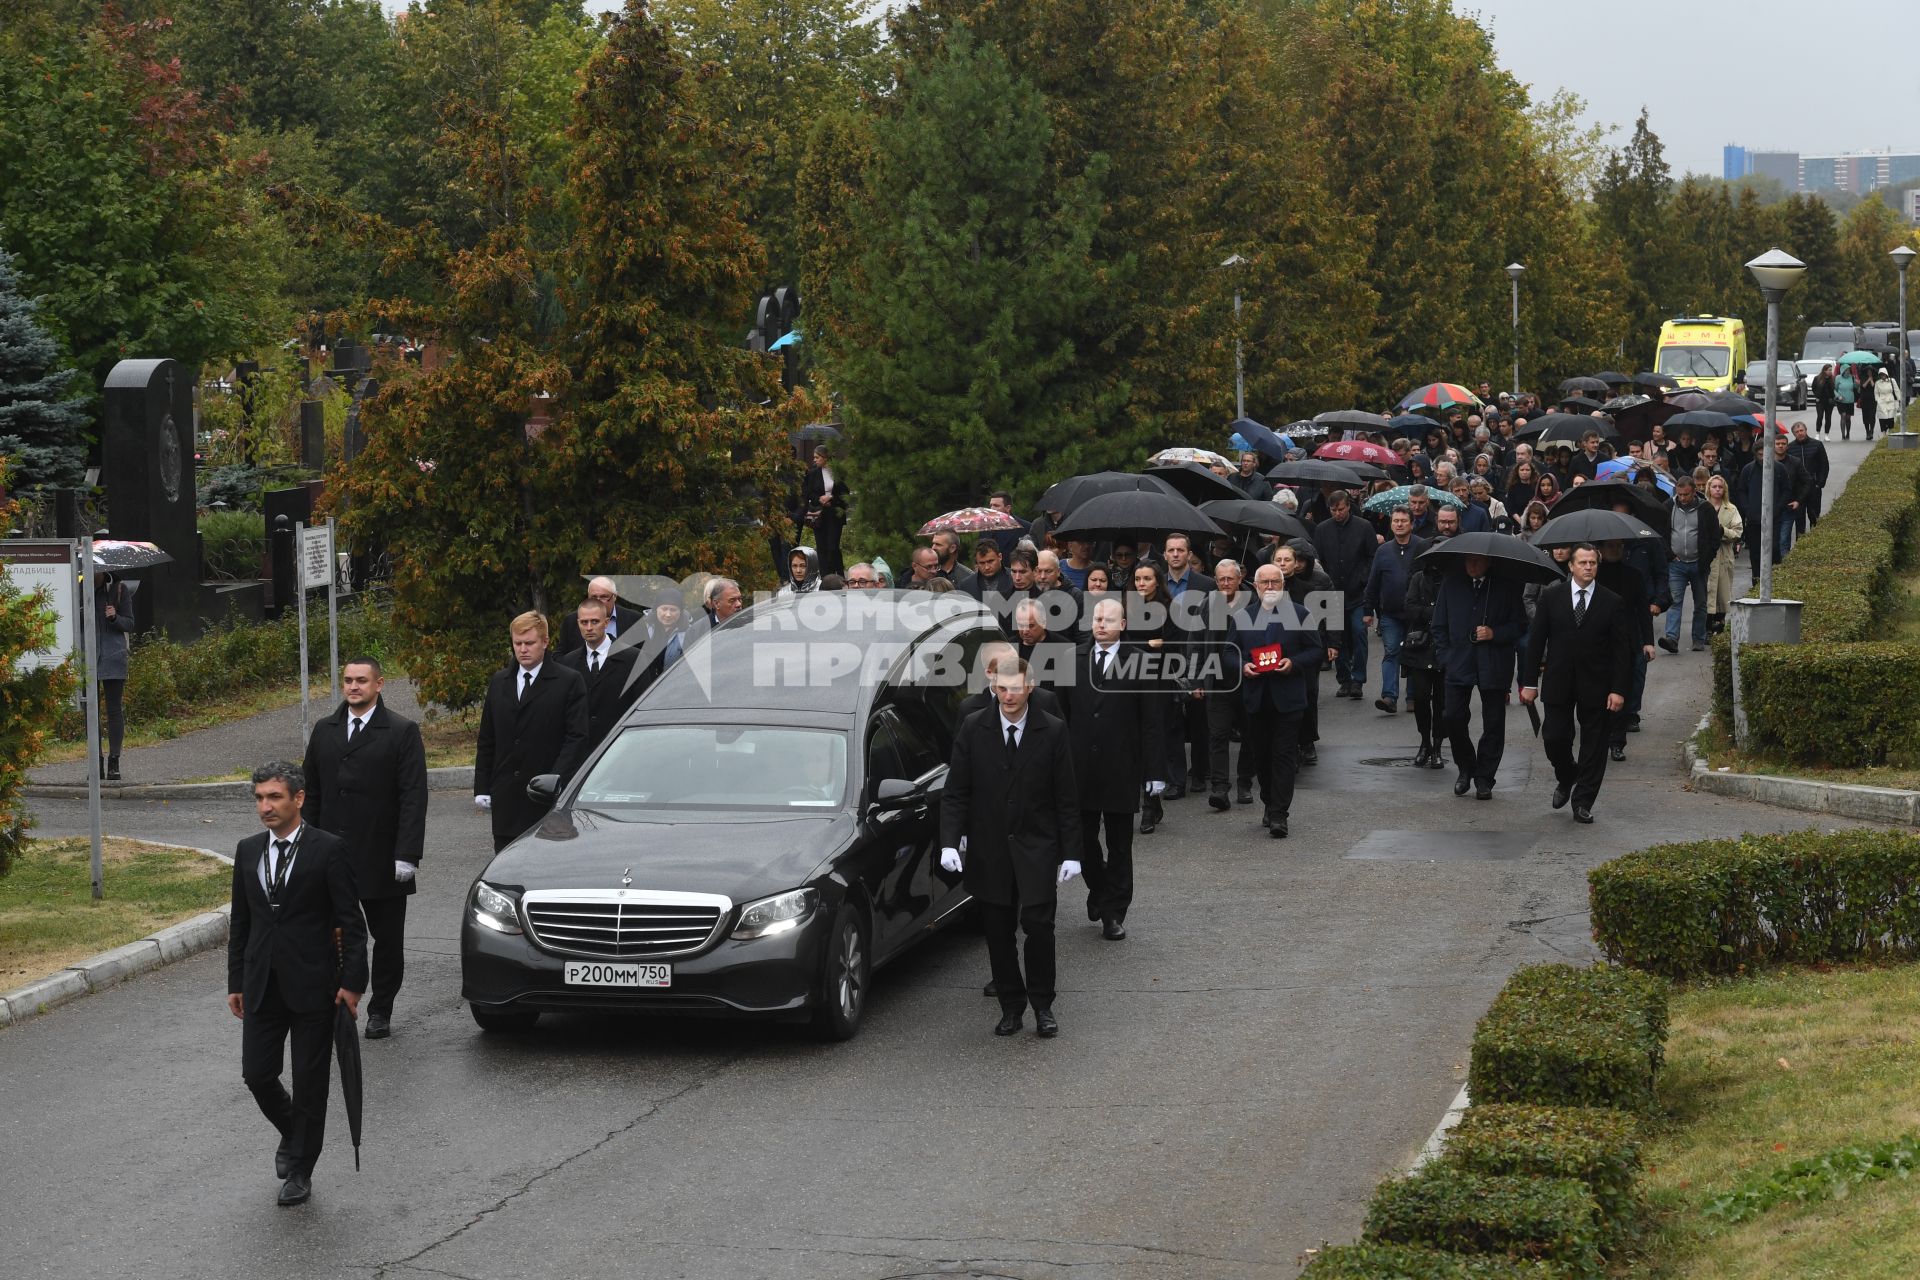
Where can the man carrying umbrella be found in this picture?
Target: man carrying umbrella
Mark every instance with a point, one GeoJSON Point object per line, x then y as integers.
{"type": "Point", "coordinates": [293, 895]}
{"type": "Point", "coordinates": [1478, 619]}
{"type": "Point", "coordinates": [1249, 480]}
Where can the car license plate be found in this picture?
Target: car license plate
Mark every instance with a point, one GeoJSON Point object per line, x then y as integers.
{"type": "Point", "coordinates": [586, 974]}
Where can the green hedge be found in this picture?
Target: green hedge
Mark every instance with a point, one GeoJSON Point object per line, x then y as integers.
{"type": "Point", "coordinates": [1445, 1207]}
{"type": "Point", "coordinates": [1561, 1036]}
{"type": "Point", "coordinates": [1406, 1262]}
{"type": "Point", "coordinates": [232, 544]}
{"type": "Point", "coordinates": [166, 678]}
{"type": "Point", "coordinates": [1599, 1146]}
{"type": "Point", "coordinates": [1717, 906]}
{"type": "Point", "coordinates": [1838, 698]}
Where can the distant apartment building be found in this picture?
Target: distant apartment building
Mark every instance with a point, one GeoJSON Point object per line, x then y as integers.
{"type": "Point", "coordinates": [1735, 163]}
{"type": "Point", "coordinates": [1858, 171]}
{"type": "Point", "coordinates": [1910, 205]}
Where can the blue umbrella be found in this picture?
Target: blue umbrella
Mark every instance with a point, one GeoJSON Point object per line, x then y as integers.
{"type": "Point", "coordinates": [791, 338]}
{"type": "Point", "coordinates": [1626, 467]}
{"type": "Point", "coordinates": [1388, 499]}
{"type": "Point", "coordinates": [1248, 434]}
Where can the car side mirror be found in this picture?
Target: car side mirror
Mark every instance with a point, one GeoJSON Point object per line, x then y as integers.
{"type": "Point", "coordinates": [894, 793]}
{"type": "Point", "coordinates": [543, 787]}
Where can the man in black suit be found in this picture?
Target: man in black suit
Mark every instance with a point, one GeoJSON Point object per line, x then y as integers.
{"type": "Point", "coordinates": [1011, 795]}
{"type": "Point", "coordinates": [620, 621]}
{"type": "Point", "coordinates": [1579, 664]}
{"type": "Point", "coordinates": [1114, 723]}
{"type": "Point", "coordinates": [990, 656]}
{"type": "Point", "coordinates": [534, 721]}
{"type": "Point", "coordinates": [296, 947]}
{"type": "Point", "coordinates": [607, 671]}
{"type": "Point", "coordinates": [366, 774]}
{"type": "Point", "coordinates": [1477, 623]}
{"type": "Point", "coordinates": [1278, 650]}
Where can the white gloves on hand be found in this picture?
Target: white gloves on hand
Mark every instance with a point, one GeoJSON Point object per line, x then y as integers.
{"type": "Point", "coordinates": [403, 871]}
{"type": "Point", "coordinates": [950, 859]}
{"type": "Point", "coordinates": [1156, 788]}
{"type": "Point", "coordinates": [1068, 870]}
{"type": "Point", "coordinates": [483, 803]}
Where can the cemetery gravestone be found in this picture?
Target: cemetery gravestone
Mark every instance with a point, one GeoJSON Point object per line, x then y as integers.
{"type": "Point", "coordinates": [147, 455]}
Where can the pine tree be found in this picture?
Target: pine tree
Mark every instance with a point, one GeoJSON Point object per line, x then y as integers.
{"type": "Point", "coordinates": [43, 425]}
{"type": "Point", "coordinates": [973, 281]}
{"type": "Point", "coordinates": [1631, 201]}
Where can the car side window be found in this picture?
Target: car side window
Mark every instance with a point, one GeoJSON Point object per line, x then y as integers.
{"type": "Point", "coordinates": [918, 742]}
{"type": "Point", "coordinates": [883, 750]}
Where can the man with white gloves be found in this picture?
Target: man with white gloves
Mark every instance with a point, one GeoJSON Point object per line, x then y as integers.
{"type": "Point", "coordinates": [1011, 797]}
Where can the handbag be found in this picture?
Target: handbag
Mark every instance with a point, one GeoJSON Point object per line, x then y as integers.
{"type": "Point", "coordinates": [1421, 639]}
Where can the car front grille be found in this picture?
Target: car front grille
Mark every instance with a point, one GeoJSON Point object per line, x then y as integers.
{"type": "Point", "coordinates": [630, 924]}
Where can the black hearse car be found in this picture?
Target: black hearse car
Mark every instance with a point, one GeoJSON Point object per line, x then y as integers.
{"type": "Point", "coordinates": [759, 834]}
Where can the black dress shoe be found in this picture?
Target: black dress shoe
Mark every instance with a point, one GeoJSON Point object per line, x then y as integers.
{"type": "Point", "coordinates": [1093, 908]}
{"type": "Point", "coordinates": [1309, 756]}
{"type": "Point", "coordinates": [1148, 822]}
{"type": "Point", "coordinates": [1177, 791]}
{"type": "Point", "coordinates": [1435, 760]}
{"type": "Point", "coordinates": [1046, 1024]}
{"type": "Point", "coordinates": [295, 1190]}
{"type": "Point", "coordinates": [1618, 753]}
{"type": "Point", "coordinates": [1244, 795]}
{"type": "Point", "coordinates": [1219, 800]}
{"type": "Point", "coordinates": [1560, 794]}
{"type": "Point", "coordinates": [1633, 724]}
{"type": "Point", "coordinates": [1112, 930]}
{"type": "Point", "coordinates": [1669, 644]}
{"type": "Point", "coordinates": [1582, 814]}
{"type": "Point", "coordinates": [1420, 758]}
{"type": "Point", "coordinates": [379, 1026]}
{"type": "Point", "coordinates": [992, 989]}
{"type": "Point", "coordinates": [1009, 1023]}
{"type": "Point", "coordinates": [1386, 704]}
{"type": "Point", "coordinates": [1277, 828]}
{"type": "Point", "coordinates": [1483, 791]}
{"type": "Point", "coordinates": [1461, 783]}
{"type": "Point", "coordinates": [282, 1161]}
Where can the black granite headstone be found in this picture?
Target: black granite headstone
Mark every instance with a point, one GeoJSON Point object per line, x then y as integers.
{"type": "Point", "coordinates": [313, 433]}
{"type": "Point", "coordinates": [296, 504]}
{"type": "Point", "coordinates": [147, 452]}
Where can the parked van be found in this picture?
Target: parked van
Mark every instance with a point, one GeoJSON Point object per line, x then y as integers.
{"type": "Point", "coordinates": [1707, 352]}
{"type": "Point", "coordinates": [1830, 341]}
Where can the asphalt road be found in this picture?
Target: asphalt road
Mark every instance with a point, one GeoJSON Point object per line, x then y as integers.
{"type": "Point", "coordinates": [1282, 1029]}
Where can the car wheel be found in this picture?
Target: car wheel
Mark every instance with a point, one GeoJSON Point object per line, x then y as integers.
{"type": "Point", "coordinates": [844, 977]}
{"type": "Point", "coordinates": [494, 1018]}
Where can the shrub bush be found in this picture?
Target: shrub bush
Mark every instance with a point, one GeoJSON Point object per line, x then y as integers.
{"type": "Point", "coordinates": [1407, 1262]}
{"type": "Point", "coordinates": [233, 543]}
{"type": "Point", "coordinates": [1599, 1146]}
{"type": "Point", "coordinates": [1561, 1036]}
{"type": "Point", "coordinates": [1717, 906]}
{"type": "Point", "coordinates": [1835, 698]}
{"type": "Point", "coordinates": [1445, 1207]}
{"type": "Point", "coordinates": [29, 701]}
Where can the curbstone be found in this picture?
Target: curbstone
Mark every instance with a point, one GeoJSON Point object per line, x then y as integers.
{"type": "Point", "coordinates": [191, 937]}
{"type": "Point", "coordinates": [50, 992]}
{"type": "Point", "coordinates": [110, 968]}
{"type": "Point", "coordinates": [1886, 805]}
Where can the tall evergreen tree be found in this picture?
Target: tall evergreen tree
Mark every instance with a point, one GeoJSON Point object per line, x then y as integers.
{"type": "Point", "coordinates": [1807, 230]}
{"type": "Point", "coordinates": [43, 426]}
{"type": "Point", "coordinates": [1631, 201]}
{"type": "Point", "coordinates": [974, 280]}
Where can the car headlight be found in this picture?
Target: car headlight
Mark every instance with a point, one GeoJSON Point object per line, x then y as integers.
{"type": "Point", "coordinates": [493, 909]}
{"type": "Point", "coordinates": [781, 912]}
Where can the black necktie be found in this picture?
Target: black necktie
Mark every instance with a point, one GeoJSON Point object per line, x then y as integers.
{"type": "Point", "coordinates": [526, 682]}
{"type": "Point", "coordinates": [593, 661]}
{"type": "Point", "coordinates": [1579, 606]}
{"type": "Point", "coordinates": [278, 883]}
{"type": "Point", "coordinates": [353, 727]}
{"type": "Point", "coordinates": [1013, 741]}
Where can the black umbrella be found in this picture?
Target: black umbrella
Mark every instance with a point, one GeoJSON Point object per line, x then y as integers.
{"type": "Point", "coordinates": [1594, 524]}
{"type": "Point", "coordinates": [1658, 381]}
{"type": "Point", "coordinates": [1195, 483]}
{"type": "Point", "coordinates": [1728, 403]}
{"type": "Point", "coordinates": [1701, 420]}
{"type": "Point", "coordinates": [1374, 471]}
{"type": "Point", "coordinates": [1565, 428]}
{"type": "Point", "coordinates": [815, 432]}
{"type": "Point", "coordinates": [1259, 517]}
{"type": "Point", "coordinates": [1508, 556]}
{"type": "Point", "coordinates": [346, 1047]}
{"type": "Point", "coordinates": [1131, 517]}
{"type": "Point", "coordinates": [1689, 399]}
{"type": "Point", "coordinates": [1613, 379]}
{"type": "Point", "coordinates": [1351, 419]}
{"type": "Point", "coordinates": [1573, 386]}
{"type": "Point", "coordinates": [1320, 471]}
{"type": "Point", "coordinates": [1074, 490]}
{"type": "Point", "coordinates": [1601, 495]}
{"type": "Point", "coordinates": [1636, 421]}
{"type": "Point", "coordinates": [1579, 404]}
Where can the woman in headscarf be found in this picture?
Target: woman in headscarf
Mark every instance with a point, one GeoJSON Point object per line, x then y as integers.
{"type": "Point", "coordinates": [803, 572]}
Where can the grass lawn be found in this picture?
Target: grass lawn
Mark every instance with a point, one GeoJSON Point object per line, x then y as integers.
{"type": "Point", "coordinates": [1768, 1070]}
{"type": "Point", "coordinates": [1715, 744]}
{"type": "Point", "coordinates": [49, 920]}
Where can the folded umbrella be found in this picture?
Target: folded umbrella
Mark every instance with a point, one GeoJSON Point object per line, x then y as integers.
{"type": "Point", "coordinates": [1507, 556]}
{"type": "Point", "coordinates": [1132, 517]}
{"type": "Point", "coordinates": [1388, 499]}
{"type": "Point", "coordinates": [1247, 515]}
{"type": "Point", "coordinates": [969, 520]}
{"type": "Point", "coordinates": [1603, 495]}
{"type": "Point", "coordinates": [1195, 483]}
{"type": "Point", "coordinates": [1065, 495]}
{"type": "Point", "coordinates": [1573, 386]}
{"type": "Point", "coordinates": [1592, 525]}
{"type": "Point", "coordinates": [346, 1048]}
{"type": "Point", "coordinates": [1318, 471]}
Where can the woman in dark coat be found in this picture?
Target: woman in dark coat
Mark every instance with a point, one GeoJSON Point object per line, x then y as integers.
{"type": "Point", "coordinates": [825, 501]}
{"type": "Point", "coordinates": [1150, 585]}
{"type": "Point", "coordinates": [113, 621]}
{"type": "Point", "coordinates": [1421, 666]}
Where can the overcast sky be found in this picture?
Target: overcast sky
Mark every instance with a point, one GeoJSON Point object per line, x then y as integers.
{"type": "Point", "coordinates": [1708, 76]}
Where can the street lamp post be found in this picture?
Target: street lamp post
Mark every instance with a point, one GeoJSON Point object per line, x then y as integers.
{"type": "Point", "coordinates": [1514, 272]}
{"type": "Point", "coordinates": [1902, 259]}
{"type": "Point", "coordinates": [1239, 364]}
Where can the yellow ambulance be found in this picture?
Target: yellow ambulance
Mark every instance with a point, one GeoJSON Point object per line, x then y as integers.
{"type": "Point", "coordinates": [1707, 352]}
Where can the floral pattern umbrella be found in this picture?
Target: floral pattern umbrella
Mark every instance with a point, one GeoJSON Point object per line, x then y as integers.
{"type": "Point", "coordinates": [1388, 499]}
{"type": "Point", "coordinates": [969, 520]}
{"type": "Point", "coordinates": [1358, 451]}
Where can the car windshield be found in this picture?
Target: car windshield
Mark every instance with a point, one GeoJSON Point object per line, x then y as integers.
{"type": "Point", "coordinates": [1819, 346]}
{"type": "Point", "coordinates": [1757, 371]}
{"type": "Point", "coordinates": [719, 766]}
{"type": "Point", "coordinates": [1695, 362]}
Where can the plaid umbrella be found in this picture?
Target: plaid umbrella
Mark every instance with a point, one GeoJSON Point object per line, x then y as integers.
{"type": "Point", "coordinates": [969, 520]}
{"type": "Point", "coordinates": [1439, 395]}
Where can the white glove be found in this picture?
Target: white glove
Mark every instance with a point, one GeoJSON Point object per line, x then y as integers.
{"type": "Point", "coordinates": [403, 871]}
{"type": "Point", "coordinates": [1068, 870]}
{"type": "Point", "coordinates": [950, 859]}
{"type": "Point", "coordinates": [1156, 788]}
{"type": "Point", "coordinates": [483, 803]}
